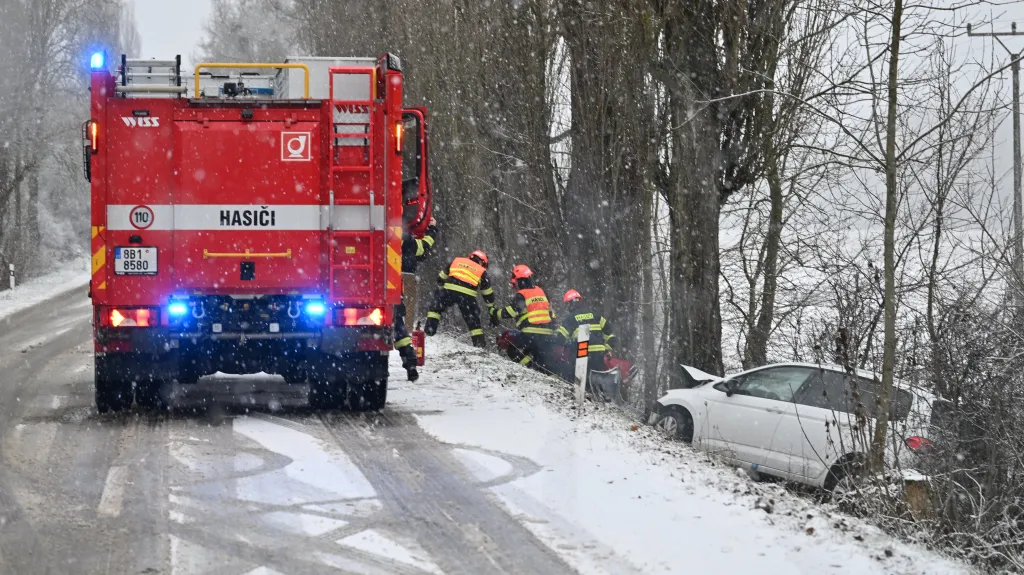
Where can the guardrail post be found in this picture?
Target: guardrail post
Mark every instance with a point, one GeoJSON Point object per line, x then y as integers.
{"type": "Point", "coordinates": [12, 276]}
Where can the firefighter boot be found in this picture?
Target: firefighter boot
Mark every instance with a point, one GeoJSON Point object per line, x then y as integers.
{"type": "Point", "coordinates": [478, 339]}
{"type": "Point", "coordinates": [433, 320]}
{"type": "Point", "coordinates": [408, 354]}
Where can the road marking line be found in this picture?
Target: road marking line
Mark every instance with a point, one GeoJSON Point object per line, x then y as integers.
{"type": "Point", "coordinates": [113, 492]}
{"type": "Point", "coordinates": [117, 478]}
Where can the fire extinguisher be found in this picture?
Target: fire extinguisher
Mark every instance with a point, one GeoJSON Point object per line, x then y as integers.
{"type": "Point", "coordinates": [419, 340]}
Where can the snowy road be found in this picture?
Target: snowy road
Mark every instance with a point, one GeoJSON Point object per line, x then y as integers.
{"type": "Point", "coordinates": [218, 491]}
{"type": "Point", "coordinates": [469, 471]}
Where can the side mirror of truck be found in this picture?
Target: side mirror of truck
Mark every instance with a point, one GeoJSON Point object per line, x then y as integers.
{"type": "Point", "coordinates": [417, 192]}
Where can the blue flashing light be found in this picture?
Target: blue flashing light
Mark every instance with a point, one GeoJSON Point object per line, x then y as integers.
{"type": "Point", "coordinates": [96, 62]}
{"type": "Point", "coordinates": [315, 308]}
{"type": "Point", "coordinates": [177, 309]}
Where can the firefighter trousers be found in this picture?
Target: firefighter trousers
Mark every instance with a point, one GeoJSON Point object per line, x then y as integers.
{"type": "Point", "coordinates": [535, 351]}
{"type": "Point", "coordinates": [410, 299]}
{"type": "Point", "coordinates": [444, 299]}
{"type": "Point", "coordinates": [403, 341]}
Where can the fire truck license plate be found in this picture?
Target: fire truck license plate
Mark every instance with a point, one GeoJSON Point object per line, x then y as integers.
{"type": "Point", "coordinates": [135, 261]}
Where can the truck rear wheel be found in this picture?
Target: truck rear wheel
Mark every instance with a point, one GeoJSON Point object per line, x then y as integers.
{"type": "Point", "coordinates": [326, 384]}
{"type": "Point", "coordinates": [113, 390]}
{"type": "Point", "coordinates": [188, 370]}
{"type": "Point", "coordinates": [368, 395]}
{"type": "Point", "coordinates": [294, 375]}
{"type": "Point", "coordinates": [368, 388]}
{"type": "Point", "coordinates": [149, 394]}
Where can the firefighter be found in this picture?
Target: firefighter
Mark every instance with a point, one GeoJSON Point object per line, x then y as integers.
{"type": "Point", "coordinates": [531, 345]}
{"type": "Point", "coordinates": [413, 252]}
{"type": "Point", "coordinates": [601, 336]}
{"type": "Point", "coordinates": [464, 277]}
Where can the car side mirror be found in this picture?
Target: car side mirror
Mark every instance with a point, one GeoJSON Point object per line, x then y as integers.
{"type": "Point", "coordinates": [729, 387]}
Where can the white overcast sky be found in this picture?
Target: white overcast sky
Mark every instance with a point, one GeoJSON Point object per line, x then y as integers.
{"type": "Point", "coordinates": [170, 27]}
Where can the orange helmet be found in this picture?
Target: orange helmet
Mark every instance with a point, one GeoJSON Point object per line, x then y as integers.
{"type": "Point", "coordinates": [520, 272]}
{"type": "Point", "coordinates": [480, 255]}
{"type": "Point", "coordinates": [571, 295]}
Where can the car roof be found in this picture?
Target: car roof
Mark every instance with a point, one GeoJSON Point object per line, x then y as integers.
{"type": "Point", "coordinates": [898, 383]}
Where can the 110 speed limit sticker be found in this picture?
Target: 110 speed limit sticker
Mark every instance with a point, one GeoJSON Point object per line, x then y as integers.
{"type": "Point", "coordinates": [135, 261]}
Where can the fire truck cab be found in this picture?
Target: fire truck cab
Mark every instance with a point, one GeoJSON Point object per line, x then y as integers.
{"type": "Point", "coordinates": [249, 219]}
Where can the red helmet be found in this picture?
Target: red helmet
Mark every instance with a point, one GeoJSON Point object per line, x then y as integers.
{"type": "Point", "coordinates": [520, 272]}
{"type": "Point", "coordinates": [571, 295]}
{"type": "Point", "coordinates": [480, 255]}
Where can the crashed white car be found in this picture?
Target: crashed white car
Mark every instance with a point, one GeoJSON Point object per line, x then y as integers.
{"type": "Point", "coordinates": [801, 422]}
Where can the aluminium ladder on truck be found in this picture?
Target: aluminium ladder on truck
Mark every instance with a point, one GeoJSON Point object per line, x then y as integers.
{"type": "Point", "coordinates": [357, 251]}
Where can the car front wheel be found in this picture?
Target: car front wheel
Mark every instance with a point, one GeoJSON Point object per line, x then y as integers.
{"type": "Point", "coordinates": [677, 423]}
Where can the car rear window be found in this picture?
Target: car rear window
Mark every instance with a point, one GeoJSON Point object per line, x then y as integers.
{"type": "Point", "coordinates": [845, 393]}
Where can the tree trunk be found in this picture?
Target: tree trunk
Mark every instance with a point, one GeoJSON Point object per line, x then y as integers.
{"type": "Point", "coordinates": [693, 204]}
{"type": "Point", "coordinates": [889, 343]}
{"type": "Point", "coordinates": [756, 349]}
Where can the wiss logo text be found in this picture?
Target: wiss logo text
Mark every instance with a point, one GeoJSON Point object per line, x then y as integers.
{"type": "Point", "coordinates": [132, 122]}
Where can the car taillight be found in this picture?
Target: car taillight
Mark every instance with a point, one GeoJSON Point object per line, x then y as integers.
{"type": "Point", "coordinates": [362, 316]}
{"type": "Point", "coordinates": [135, 317]}
{"type": "Point", "coordinates": [915, 442]}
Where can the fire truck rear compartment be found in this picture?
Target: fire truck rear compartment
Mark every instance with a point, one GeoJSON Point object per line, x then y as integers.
{"type": "Point", "coordinates": [242, 334]}
{"type": "Point", "coordinates": [221, 220]}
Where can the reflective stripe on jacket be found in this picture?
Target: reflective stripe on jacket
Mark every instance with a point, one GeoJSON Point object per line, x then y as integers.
{"type": "Point", "coordinates": [538, 309]}
{"type": "Point", "coordinates": [466, 270]}
{"type": "Point", "coordinates": [600, 336]}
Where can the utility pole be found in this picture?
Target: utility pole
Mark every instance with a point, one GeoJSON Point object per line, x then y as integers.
{"type": "Point", "coordinates": [1018, 216]}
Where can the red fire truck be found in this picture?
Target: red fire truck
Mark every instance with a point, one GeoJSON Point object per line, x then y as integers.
{"type": "Point", "coordinates": [249, 219]}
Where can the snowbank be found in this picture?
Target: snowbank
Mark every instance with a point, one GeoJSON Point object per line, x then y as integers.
{"type": "Point", "coordinates": [613, 497]}
{"type": "Point", "coordinates": [69, 275]}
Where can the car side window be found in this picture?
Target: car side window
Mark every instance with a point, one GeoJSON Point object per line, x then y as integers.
{"type": "Point", "coordinates": [846, 393]}
{"type": "Point", "coordinates": [776, 383]}
{"type": "Point", "coordinates": [828, 390]}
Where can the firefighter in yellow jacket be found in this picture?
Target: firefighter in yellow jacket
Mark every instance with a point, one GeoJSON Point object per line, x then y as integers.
{"type": "Point", "coordinates": [601, 336]}
{"type": "Point", "coordinates": [459, 285]}
{"type": "Point", "coordinates": [532, 344]}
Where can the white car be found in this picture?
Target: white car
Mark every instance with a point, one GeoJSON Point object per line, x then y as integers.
{"type": "Point", "coordinates": [795, 421]}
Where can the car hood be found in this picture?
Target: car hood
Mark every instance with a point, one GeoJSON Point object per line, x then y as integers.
{"type": "Point", "coordinates": [701, 376]}
{"type": "Point", "coordinates": [674, 395]}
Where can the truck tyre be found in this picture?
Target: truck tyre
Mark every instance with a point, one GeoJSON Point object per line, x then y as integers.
{"type": "Point", "coordinates": [149, 394]}
{"type": "Point", "coordinates": [188, 371]}
{"type": "Point", "coordinates": [113, 392]}
{"type": "Point", "coordinates": [326, 385]}
{"type": "Point", "coordinates": [368, 395]}
{"type": "Point", "coordinates": [294, 375]}
{"type": "Point", "coordinates": [368, 389]}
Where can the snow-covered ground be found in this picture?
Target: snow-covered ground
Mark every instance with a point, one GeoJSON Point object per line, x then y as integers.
{"type": "Point", "coordinates": [614, 497]}
{"type": "Point", "coordinates": [68, 275]}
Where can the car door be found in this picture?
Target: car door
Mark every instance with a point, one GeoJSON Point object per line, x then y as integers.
{"type": "Point", "coordinates": [742, 424]}
{"type": "Point", "coordinates": [826, 421]}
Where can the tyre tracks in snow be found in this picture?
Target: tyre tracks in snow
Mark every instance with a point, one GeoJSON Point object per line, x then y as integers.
{"type": "Point", "coordinates": [231, 486]}
{"type": "Point", "coordinates": [419, 480]}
